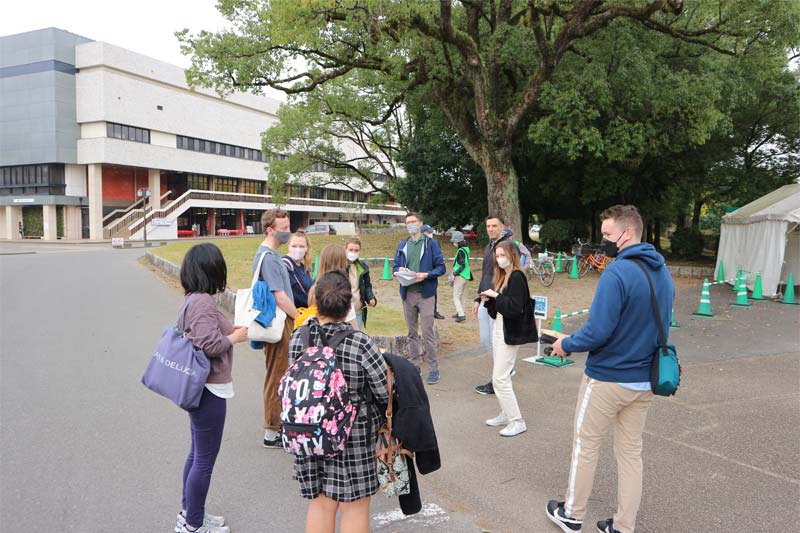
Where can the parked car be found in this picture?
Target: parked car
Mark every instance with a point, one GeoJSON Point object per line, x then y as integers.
{"type": "Point", "coordinates": [320, 229]}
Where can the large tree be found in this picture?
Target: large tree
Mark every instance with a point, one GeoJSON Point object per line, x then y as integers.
{"type": "Point", "coordinates": [486, 62]}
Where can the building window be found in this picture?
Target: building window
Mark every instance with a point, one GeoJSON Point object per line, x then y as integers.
{"type": "Point", "coordinates": [32, 179]}
{"type": "Point", "coordinates": [317, 193]}
{"type": "Point", "coordinates": [361, 197]}
{"type": "Point", "coordinates": [212, 147]}
{"type": "Point", "coordinates": [251, 187]}
{"type": "Point", "coordinates": [348, 196]}
{"type": "Point", "coordinates": [226, 185]}
{"type": "Point", "coordinates": [195, 181]}
{"type": "Point", "coordinates": [331, 194]}
{"type": "Point", "coordinates": [127, 133]}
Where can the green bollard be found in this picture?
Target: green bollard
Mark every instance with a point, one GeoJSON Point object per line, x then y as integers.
{"type": "Point", "coordinates": [788, 296]}
{"type": "Point", "coordinates": [672, 323]}
{"type": "Point", "coordinates": [559, 266]}
{"type": "Point", "coordinates": [573, 270]}
{"type": "Point", "coordinates": [704, 309]}
{"type": "Point", "coordinates": [316, 265]}
{"type": "Point", "coordinates": [721, 272]}
{"type": "Point", "coordinates": [741, 294]}
{"type": "Point", "coordinates": [758, 291]}
{"type": "Point", "coordinates": [557, 321]}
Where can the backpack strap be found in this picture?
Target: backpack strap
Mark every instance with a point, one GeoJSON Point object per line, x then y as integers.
{"type": "Point", "coordinates": [332, 342]}
{"type": "Point", "coordinates": [661, 336]}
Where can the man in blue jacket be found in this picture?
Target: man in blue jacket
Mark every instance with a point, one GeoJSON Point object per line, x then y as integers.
{"type": "Point", "coordinates": [621, 337]}
{"type": "Point", "coordinates": [420, 254]}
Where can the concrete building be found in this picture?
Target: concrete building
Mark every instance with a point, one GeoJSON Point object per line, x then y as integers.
{"type": "Point", "coordinates": [88, 128]}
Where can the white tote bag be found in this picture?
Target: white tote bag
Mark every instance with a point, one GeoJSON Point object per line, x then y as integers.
{"type": "Point", "coordinates": [245, 314]}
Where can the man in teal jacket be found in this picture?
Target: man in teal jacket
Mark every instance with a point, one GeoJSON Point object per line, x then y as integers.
{"type": "Point", "coordinates": [621, 337]}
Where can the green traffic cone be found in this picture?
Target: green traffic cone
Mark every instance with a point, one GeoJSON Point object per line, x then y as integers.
{"type": "Point", "coordinates": [704, 309]}
{"type": "Point", "coordinates": [741, 294]}
{"type": "Point", "coordinates": [672, 323]}
{"type": "Point", "coordinates": [788, 295]}
{"type": "Point", "coordinates": [559, 266]}
{"type": "Point", "coordinates": [316, 265]}
{"type": "Point", "coordinates": [387, 272]}
{"type": "Point", "coordinates": [573, 270]}
{"type": "Point", "coordinates": [557, 321]}
{"type": "Point", "coordinates": [738, 280]}
{"type": "Point", "coordinates": [721, 272]}
{"type": "Point", "coordinates": [758, 291]}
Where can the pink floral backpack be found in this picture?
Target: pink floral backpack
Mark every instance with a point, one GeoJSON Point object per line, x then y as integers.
{"type": "Point", "coordinates": [316, 412]}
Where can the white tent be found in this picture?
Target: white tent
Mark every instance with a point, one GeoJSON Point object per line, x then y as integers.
{"type": "Point", "coordinates": [764, 236]}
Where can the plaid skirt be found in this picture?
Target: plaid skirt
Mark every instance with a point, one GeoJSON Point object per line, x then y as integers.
{"type": "Point", "coordinates": [351, 475]}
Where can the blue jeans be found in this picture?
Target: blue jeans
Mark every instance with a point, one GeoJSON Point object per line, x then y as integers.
{"type": "Point", "coordinates": [360, 320]}
{"type": "Point", "coordinates": [207, 422]}
{"type": "Point", "coordinates": [486, 326]}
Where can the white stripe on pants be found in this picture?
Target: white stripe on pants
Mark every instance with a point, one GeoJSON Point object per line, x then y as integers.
{"type": "Point", "coordinates": [504, 357]}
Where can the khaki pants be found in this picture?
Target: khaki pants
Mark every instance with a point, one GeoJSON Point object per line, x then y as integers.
{"type": "Point", "coordinates": [459, 284]}
{"type": "Point", "coordinates": [602, 404]}
{"type": "Point", "coordinates": [419, 311]}
{"type": "Point", "coordinates": [276, 358]}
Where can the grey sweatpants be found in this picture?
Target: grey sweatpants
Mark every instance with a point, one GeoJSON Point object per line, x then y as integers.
{"type": "Point", "coordinates": [420, 310]}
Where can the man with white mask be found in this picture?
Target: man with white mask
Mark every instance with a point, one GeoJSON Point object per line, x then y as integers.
{"type": "Point", "coordinates": [422, 255]}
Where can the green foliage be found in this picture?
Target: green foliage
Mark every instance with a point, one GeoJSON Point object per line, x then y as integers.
{"type": "Point", "coordinates": [711, 220]}
{"type": "Point", "coordinates": [687, 243]}
{"type": "Point", "coordinates": [560, 233]}
{"type": "Point", "coordinates": [483, 235]}
{"type": "Point", "coordinates": [33, 221]}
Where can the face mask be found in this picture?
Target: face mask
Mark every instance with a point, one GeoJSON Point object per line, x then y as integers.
{"type": "Point", "coordinates": [610, 248]}
{"type": "Point", "coordinates": [352, 256]}
{"type": "Point", "coordinates": [412, 229]}
{"type": "Point", "coordinates": [283, 236]}
{"type": "Point", "coordinates": [297, 253]}
{"type": "Point", "coordinates": [503, 262]}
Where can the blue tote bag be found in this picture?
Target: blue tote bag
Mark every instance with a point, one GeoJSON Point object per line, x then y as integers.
{"type": "Point", "coordinates": [177, 370]}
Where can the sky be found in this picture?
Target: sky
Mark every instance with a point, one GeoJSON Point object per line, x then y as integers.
{"type": "Point", "coordinates": [144, 26]}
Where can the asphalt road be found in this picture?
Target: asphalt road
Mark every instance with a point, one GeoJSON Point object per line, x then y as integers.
{"type": "Point", "coordinates": [84, 447]}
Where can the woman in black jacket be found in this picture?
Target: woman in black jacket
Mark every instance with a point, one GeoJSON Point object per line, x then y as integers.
{"type": "Point", "coordinates": [509, 303]}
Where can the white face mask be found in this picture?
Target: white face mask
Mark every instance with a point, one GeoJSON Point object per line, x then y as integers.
{"type": "Point", "coordinates": [503, 262]}
{"type": "Point", "coordinates": [297, 253]}
{"type": "Point", "coordinates": [412, 229]}
{"type": "Point", "coordinates": [352, 256]}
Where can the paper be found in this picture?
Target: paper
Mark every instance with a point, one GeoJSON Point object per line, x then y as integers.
{"type": "Point", "coordinates": [406, 278]}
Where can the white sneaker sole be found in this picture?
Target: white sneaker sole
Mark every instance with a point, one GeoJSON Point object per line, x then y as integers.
{"type": "Point", "coordinates": [563, 527]}
{"type": "Point", "coordinates": [492, 423]}
{"type": "Point", "coordinates": [514, 434]}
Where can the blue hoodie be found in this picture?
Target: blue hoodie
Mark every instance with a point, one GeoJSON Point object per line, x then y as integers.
{"type": "Point", "coordinates": [621, 334]}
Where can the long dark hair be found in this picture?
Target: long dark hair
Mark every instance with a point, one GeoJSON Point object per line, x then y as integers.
{"type": "Point", "coordinates": [204, 270]}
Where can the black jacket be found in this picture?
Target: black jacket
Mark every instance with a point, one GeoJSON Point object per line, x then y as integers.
{"type": "Point", "coordinates": [413, 426]}
{"type": "Point", "coordinates": [516, 306]}
{"type": "Point", "coordinates": [487, 268]}
{"type": "Point", "coordinates": [364, 287]}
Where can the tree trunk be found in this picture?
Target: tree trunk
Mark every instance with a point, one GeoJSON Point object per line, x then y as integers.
{"type": "Point", "coordinates": [502, 184]}
{"type": "Point", "coordinates": [698, 208]}
{"type": "Point", "coordinates": [657, 236]}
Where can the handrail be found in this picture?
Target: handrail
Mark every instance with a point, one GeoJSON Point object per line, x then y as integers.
{"type": "Point", "coordinates": [137, 223]}
{"type": "Point", "coordinates": [134, 205]}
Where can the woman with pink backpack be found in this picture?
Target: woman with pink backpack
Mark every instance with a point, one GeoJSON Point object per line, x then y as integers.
{"type": "Point", "coordinates": [330, 416]}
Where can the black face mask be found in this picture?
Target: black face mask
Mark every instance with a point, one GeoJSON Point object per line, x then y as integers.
{"type": "Point", "coordinates": [610, 248]}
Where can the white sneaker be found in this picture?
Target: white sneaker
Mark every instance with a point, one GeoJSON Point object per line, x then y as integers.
{"type": "Point", "coordinates": [208, 520]}
{"type": "Point", "coordinates": [514, 428]}
{"type": "Point", "coordinates": [499, 420]}
{"type": "Point", "coordinates": [205, 529]}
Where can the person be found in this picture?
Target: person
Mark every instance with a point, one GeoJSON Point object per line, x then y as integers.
{"type": "Point", "coordinates": [509, 304]}
{"type": "Point", "coordinates": [347, 481]}
{"type": "Point", "coordinates": [358, 271]}
{"type": "Point", "coordinates": [204, 274]}
{"type": "Point", "coordinates": [461, 274]}
{"type": "Point", "coordinates": [422, 255]}
{"type": "Point", "coordinates": [296, 262]}
{"type": "Point", "coordinates": [428, 232]}
{"type": "Point", "coordinates": [332, 257]}
{"type": "Point", "coordinates": [276, 230]}
{"type": "Point", "coordinates": [621, 337]}
{"type": "Point", "coordinates": [495, 226]}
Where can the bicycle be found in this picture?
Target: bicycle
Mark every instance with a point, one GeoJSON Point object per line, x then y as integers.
{"type": "Point", "coordinates": [543, 268]}
{"type": "Point", "coordinates": [591, 258]}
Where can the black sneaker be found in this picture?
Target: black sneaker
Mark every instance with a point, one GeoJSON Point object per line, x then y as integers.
{"type": "Point", "coordinates": [606, 526]}
{"type": "Point", "coordinates": [454, 316]}
{"type": "Point", "coordinates": [460, 318]}
{"type": "Point", "coordinates": [555, 512]}
{"type": "Point", "coordinates": [488, 388]}
{"type": "Point", "coordinates": [438, 315]}
{"type": "Point", "coordinates": [274, 444]}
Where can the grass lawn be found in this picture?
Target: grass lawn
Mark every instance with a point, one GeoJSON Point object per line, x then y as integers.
{"type": "Point", "coordinates": [385, 319]}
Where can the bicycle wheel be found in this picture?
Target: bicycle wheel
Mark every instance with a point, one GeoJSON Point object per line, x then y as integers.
{"type": "Point", "coordinates": [584, 264]}
{"type": "Point", "coordinates": [547, 273]}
